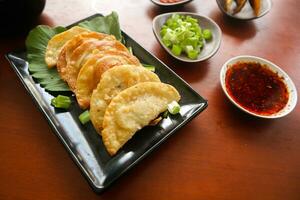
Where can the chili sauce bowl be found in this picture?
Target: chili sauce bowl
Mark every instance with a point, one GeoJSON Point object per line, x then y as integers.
{"type": "Point", "coordinates": [172, 4]}
{"type": "Point", "coordinates": [209, 49]}
{"type": "Point", "coordinates": [269, 91]}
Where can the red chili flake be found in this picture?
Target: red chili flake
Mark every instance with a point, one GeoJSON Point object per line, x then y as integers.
{"type": "Point", "coordinates": [256, 88]}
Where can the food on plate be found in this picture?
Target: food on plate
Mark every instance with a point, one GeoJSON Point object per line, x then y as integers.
{"type": "Point", "coordinates": [174, 108]}
{"type": "Point", "coordinates": [91, 72]}
{"type": "Point", "coordinates": [183, 35]}
{"type": "Point", "coordinates": [84, 117]}
{"type": "Point", "coordinates": [72, 44]}
{"type": "Point", "coordinates": [227, 4]}
{"type": "Point", "coordinates": [83, 52]}
{"type": "Point", "coordinates": [102, 73]}
{"type": "Point", "coordinates": [61, 101]}
{"type": "Point", "coordinates": [37, 42]}
{"type": "Point", "coordinates": [256, 88]}
{"type": "Point", "coordinates": [255, 4]}
{"type": "Point", "coordinates": [114, 81]}
{"type": "Point", "coordinates": [239, 5]}
{"type": "Point", "coordinates": [56, 43]}
{"type": "Point", "coordinates": [132, 109]}
{"type": "Point", "coordinates": [236, 7]}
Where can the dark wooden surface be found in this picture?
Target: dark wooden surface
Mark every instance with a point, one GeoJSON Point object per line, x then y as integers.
{"type": "Point", "coordinates": [222, 154]}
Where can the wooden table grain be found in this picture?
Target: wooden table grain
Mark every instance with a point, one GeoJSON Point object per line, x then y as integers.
{"type": "Point", "coordinates": [222, 154]}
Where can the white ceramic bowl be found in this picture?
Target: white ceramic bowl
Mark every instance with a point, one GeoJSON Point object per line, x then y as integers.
{"type": "Point", "coordinates": [179, 3]}
{"type": "Point", "coordinates": [247, 12]}
{"type": "Point", "coordinates": [210, 47]}
{"type": "Point", "coordinates": [287, 80]}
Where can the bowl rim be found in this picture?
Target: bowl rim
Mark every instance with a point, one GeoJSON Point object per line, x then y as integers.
{"type": "Point", "coordinates": [291, 86]}
{"type": "Point", "coordinates": [211, 21]}
{"type": "Point", "coordinates": [245, 18]}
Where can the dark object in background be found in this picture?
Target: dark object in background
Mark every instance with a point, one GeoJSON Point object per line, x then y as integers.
{"type": "Point", "coordinates": [18, 16]}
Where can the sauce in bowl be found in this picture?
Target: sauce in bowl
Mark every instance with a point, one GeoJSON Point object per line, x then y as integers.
{"type": "Point", "coordinates": [169, 1]}
{"type": "Point", "coordinates": [256, 88]}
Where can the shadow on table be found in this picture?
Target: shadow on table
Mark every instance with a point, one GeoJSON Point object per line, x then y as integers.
{"type": "Point", "coordinates": [235, 118]}
{"type": "Point", "coordinates": [240, 29]}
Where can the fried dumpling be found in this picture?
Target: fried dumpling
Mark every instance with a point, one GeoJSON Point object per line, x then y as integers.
{"type": "Point", "coordinates": [132, 109]}
{"type": "Point", "coordinates": [255, 4]}
{"type": "Point", "coordinates": [72, 44]}
{"type": "Point", "coordinates": [114, 81]}
{"type": "Point", "coordinates": [239, 6]}
{"type": "Point", "coordinates": [82, 53]}
{"type": "Point", "coordinates": [227, 4]}
{"type": "Point", "coordinates": [91, 72]}
{"type": "Point", "coordinates": [56, 43]}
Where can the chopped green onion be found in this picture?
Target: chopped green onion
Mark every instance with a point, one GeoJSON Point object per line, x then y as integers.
{"type": "Point", "coordinates": [61, 102]}
{"type": "Point", "coordinates": [173, 108]}
{"type": "Point", "coordinates": [165, 114]}
{"type": "Point", "coordinates": [176, 50]}
{"type": "Point", "coordinates": [207, 34]}
{"type": "Point", "coordinates": [182, 34]}
{"type": "Point", "coordinates": [130, 50]}
{"type": "Point", "coordinates": [189, 48]}
{"type": "Point", "coordinates": [193, 54]}
{"type": "Point", "coordinates": [84, 117]}
{"type": "Point", "coordinates": [149, 67]}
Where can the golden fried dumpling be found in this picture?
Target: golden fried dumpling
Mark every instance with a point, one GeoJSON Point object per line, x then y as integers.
{"type": "Point", "coordinates": [132, 109]}
{"type": "Point", "coordinates": [239, 5]}
{"type": "Point", "coordinates": [114, 81]}
{"type": "Point", "coordinates": [82, 53]}
{"type": "Point", "coordinates": [56, 43]}
{"type": "Point", "coordinates": [255, 4]}
{"type": "Point", "coordinates": [227, 4]}
{"type": "Point", "coordinates": [72, 44]}
{"type": "Point", "coordinates": [91, 72]}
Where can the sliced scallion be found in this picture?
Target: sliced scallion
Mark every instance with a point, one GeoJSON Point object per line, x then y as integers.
{"type": "Point", "coordinates": [149, 67]}
{"type": "Point", "coordinates": [207, 34]}
{"type": "Point", "coordinates": [130, 50]}
{"type": "Point", "coordinates": [84, 117]}
{"type": "Point", "coordinates": [165, 114]}
{"type": "Point", "coordinates": [174, 108]}
{"type": "Point", "coordinates": [182, 34]}
{"type": "Point", "coordinates": [61, 101]}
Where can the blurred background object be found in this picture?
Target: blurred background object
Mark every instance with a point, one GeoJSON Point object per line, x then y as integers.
{"type": "Point", "coordinates": [18, 16]}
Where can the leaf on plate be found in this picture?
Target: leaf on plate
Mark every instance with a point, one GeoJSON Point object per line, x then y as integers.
{"type": "Point", "coordinates": [108, 24]}
{"type": "Point", "coordinates": [37, 41]}
{"type": "Point", "coordinates": [36, 44]}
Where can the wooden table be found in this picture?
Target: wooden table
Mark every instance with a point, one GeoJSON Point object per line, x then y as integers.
{"type": "Point", "coordinates": [222, 154]}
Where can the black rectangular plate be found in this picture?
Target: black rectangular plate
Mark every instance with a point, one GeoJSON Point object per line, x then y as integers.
{"type": "Point", "coordinates": [83, 142]}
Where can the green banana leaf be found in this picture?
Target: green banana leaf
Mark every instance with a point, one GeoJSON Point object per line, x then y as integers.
{"type": "Point", "coordinates": [36, 44]}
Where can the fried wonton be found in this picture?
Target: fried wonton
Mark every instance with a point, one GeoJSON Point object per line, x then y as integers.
{"type": "Point", "coordinates": [82, 53]}
{"type": "Point", "coordinates": [239, 5]}
{"type": "Point", "coordinates": [72, 44]}
{"type": "Point", "coordinates": [255, 4]}
{"type": "Point", "coordinates": [56, 43]}
{"type": "Point", "coordinates": [227, 4]}
{"type": "Point", "coordinates": [114, 81]}
{"type": "Point", "coordinates": [91, 72]}
{"type": "Point", "coordinates": [132, 109]}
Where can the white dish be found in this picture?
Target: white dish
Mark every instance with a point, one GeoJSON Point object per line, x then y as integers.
{"type": "Point", "coordinates": [179, 3]}
{"type": "Point", "coordinates": [247, 12]}
{"type": "Point", "coordinates": [209, 49]}
{"type": "Point", "coordinates": [287, 80]}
